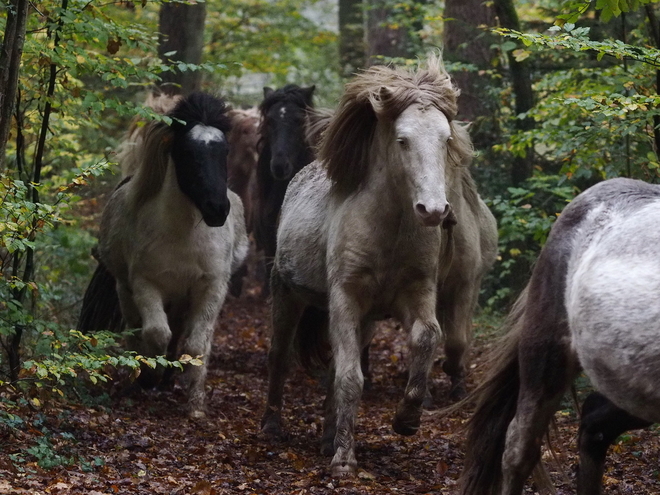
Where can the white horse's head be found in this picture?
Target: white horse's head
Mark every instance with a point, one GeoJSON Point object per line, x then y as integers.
{"type": "Point", "coordinates": [419, 151]}
{"type": "Point", "coordinates": [399, 121]}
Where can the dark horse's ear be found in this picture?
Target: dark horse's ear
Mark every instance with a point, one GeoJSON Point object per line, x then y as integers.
{"type": "Point", "coordinates": [308, 93]}
{"type": "Point", "coordinates": [268, 91]}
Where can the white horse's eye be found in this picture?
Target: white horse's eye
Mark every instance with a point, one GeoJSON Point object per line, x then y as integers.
{"type": "Point", "coordinates": [450, 137]}
{"type": "Point", "coordinates": [403, 142]}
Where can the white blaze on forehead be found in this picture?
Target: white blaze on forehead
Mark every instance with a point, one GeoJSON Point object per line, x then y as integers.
{"type": "Point", "coordinates": [282, 112]}
{"type": "Point", "coordinates": [424, 124]}
{"type": "Point", "coordinates": [206, 134]}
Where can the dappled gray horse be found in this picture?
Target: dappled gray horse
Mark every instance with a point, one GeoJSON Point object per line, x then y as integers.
{"type": "Point", "coordinates": [170, 237]}
{"type": "Point", "coordinates": [387, 222]}
{"type": "Point", "coordinates": [591, 304]}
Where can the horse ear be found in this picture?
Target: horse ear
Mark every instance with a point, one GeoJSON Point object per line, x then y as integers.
{"type": "Point", "coordinates": [268, 91]}
{"type": "Point", "coordinates": [309, 93]}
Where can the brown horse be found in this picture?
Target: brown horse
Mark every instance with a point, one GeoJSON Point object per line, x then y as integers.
{"type": "Point", "coordinates": [243, 155]}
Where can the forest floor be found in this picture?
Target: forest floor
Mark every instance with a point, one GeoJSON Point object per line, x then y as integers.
{"type": "Point", "coordinates": [147, 445]}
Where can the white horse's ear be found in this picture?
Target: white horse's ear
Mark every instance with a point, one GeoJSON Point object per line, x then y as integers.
{"type": "Point", "coordinates": [384, 93]}
{"type": "Point", "coordinates": [268, 91]}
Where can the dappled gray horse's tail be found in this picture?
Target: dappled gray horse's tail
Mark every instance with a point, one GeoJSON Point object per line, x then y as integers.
{"type": "Point", "coordinates": [100, 308]}
{"type": "Point", "coordinates": [496, 406]}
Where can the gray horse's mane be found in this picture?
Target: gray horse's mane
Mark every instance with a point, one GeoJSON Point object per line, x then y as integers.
{"type": "Point", "coordinates": [383, 93]}
{"type": "Point", "coordinates": [316, 123]}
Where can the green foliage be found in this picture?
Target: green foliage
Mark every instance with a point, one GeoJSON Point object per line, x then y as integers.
{"type": "Point", "coordinates": [525, 215]}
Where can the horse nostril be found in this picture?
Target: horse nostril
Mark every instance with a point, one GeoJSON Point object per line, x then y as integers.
{"type": "Point", "coordinates": [421, 209]}
{"type": "Point", "coordinates": [445, 212]}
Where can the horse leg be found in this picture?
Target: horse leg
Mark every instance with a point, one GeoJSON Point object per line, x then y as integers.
{"type": "Point", "coordinates": [424, 337]}
{"type": "Point", "coordinates": [329, 418]}
{"type": "Point", "coordinates": [455, 315]}
{"type": "Point", "coordinates": [546, 369]}
{"type": "Point", "coordinates": [156, 334]}
{"type": "Point", "coordinates": [348, 379]}
{"type": "Point", "coordinates": [286, 311]}
{"type": "Point", "coordinates": [602, 422]}
{"type": "Point", "coordinates": [206, 303]}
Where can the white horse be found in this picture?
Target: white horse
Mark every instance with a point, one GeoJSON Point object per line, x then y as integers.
{"type": "Point", "coordinates": [387, 222]}
{"type": "Point", "coordinates": [170, 238]}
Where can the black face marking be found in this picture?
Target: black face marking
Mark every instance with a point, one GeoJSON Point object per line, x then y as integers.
{"type": "Point", "coordinates": [200, 158]}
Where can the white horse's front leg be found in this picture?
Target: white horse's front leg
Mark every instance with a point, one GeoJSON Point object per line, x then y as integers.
{"type": "Point", "coordinates": [424, 337]}
{"type": "Point", "coordinates": [206, 303]}
{"type": "Point", "coordinates": [156, 334]}
{"type": "Point", "coordinates": [348, 381]}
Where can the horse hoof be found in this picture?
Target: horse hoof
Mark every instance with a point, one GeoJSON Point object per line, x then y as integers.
{"type": "Point", "coordinates": [343, 470]}
{"type": "Point", "coordinates": [457, 393]}
{"type": "Point", "coordinates": [272, 430]}
{"type": "Point", "coordinates": [405, 428]}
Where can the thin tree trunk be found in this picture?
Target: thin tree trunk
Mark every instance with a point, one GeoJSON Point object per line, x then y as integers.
{"type": "Point", "coordinates": [388, 39]}
{"type": "Point", "coordinates": [10, 63]}
{"type": "Point", "coordinates": [181, 28]}
{"type": "Point", "coordinates": [655, 31]}
{"type": "Point", "coordinates": [522, 89]}
{"type": "Point", "coordinates": [352, 50]}
{"type": "Point", "coordinates": [465, 40]}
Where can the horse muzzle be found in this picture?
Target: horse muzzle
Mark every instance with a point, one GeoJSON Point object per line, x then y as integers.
{"type": "Point", "coordinates": [281, 169]}
{"type": "Point", "coordinates": [432, 216]}
{"type": "Point", "coordinates": [215, 215]}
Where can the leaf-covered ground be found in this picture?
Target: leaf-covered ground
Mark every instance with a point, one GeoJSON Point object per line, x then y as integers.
{"type": "Point", "coordinates": [144, 444]}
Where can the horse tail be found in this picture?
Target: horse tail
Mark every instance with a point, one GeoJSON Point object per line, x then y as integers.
{"type": "Point", "coordinates": [100, 308]}
{"type": "Point", "coordinates": [496, 401]}
{"type": "Point", "coordinates": [312, 341]}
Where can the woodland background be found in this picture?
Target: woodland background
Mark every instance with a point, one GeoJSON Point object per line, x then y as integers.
{"type": "Point", "coordinates": [561, 95]}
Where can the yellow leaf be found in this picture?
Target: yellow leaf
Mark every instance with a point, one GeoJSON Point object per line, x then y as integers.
{"type": "Point", "coordinates": [521, 54]}
{"type": "Point", "coordinates": [80, 59]}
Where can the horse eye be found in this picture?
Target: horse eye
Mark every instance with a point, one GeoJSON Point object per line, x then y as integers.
{"type": "Point", "coordinates": [403, 142]}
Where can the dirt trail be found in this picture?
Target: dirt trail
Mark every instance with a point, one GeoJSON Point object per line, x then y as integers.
{"type": "Point", "coordinates": [146, 445]}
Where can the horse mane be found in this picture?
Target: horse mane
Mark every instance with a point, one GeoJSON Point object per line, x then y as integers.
{"type": "Point", "coordinates": [382, 93]}
{"type": "Point", "coordinates": [316, 122]}
{"type": "Point", "coordinates": [128, 153]}
{"type": "Point", "coordinates": [154, 144]}
{"type": "Point", "coordinates": [243, 119]}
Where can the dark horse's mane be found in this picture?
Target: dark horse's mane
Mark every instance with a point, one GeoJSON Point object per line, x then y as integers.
{"type": "Point", "coordinates": [201, 108]}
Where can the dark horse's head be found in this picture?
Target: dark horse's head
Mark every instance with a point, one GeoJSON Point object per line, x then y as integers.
{"type": "Point", "coordinates": [199, 151]}
{"type": "Point", "coordinates": [283, 129]}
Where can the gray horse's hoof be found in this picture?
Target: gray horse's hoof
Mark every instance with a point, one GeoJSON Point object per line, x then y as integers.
{"type": "Point", "coordinates": [407, 419]}
{"type": "Point", "coordinates": [344, 470]}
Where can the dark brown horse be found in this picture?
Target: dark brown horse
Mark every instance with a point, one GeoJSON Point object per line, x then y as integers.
{"type": "Point", "coordinates": [284, 151]}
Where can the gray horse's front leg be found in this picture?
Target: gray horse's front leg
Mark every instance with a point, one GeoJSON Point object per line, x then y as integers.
{"type": "Point", "coordinates": [156, 334]}
{"type": "Point", "coordinates": [287, 310]}
{"type": "Point", "coordinates": [206, 303]}
{"type": "Point", "coordinates": [424, 337]}
{"type": "Point", "coordinates": [348, 380]}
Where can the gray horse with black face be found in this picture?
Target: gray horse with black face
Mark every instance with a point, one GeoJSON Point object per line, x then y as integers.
{"type": "Point", "coordinates": [171, 235]}
{"type": "Point", "coordinates": [387, 222]}
{"type": "Point", "coordinates": [592, 305]}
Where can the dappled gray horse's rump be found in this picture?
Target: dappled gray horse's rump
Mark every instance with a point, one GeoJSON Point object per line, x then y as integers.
{"type": "Point", "coordinates": [386, 222]}
{"type": "Point", "coordinates": [170, 238]}
{"type": "Point", "coordinates": [591, 304]}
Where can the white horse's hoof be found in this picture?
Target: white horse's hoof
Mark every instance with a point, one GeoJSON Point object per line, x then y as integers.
{"type": "Point", "coordinates": [344, 470]}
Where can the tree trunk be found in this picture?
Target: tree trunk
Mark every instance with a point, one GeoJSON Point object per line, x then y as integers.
{"type": "Point", "coordinates": [522, 89]}
{"type": "Point", "coordinates": [654, 26]}
{"type": "Point", "coordinates": [390, 37]}
{"type": "Point", "coordinates": [465, 41]}
{"type": "Point", "coordinates": [351, 36]}
{"type": "Point", "coordinates": [181, 28]}
{"type": "Point", "coordinates": [10, 62]}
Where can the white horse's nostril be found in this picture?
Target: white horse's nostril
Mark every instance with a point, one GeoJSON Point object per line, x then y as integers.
{"type": "Point", "coordinates": [421, 209]}
{"type": "Point", "coordinates": [432, 216]}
